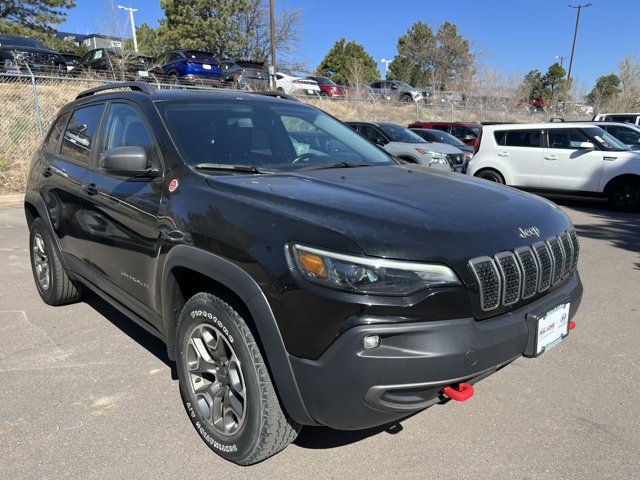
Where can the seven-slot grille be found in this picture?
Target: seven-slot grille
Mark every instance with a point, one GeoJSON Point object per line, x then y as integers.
{"type": "Point", "coordinates": [508, 277]}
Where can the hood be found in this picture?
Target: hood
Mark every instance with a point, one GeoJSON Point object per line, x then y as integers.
{"type": "Point", "coordinates": [18, 48]}
{"type": "Point", "coordinates": [442, 147]}
{"type": "Point", "coordinates": [402, 212]}
{"type": "Point", "coordinates": [400, 149]}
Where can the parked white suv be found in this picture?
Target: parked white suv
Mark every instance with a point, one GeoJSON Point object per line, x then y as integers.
{"type": "Point", "coordinates": [575, 158]}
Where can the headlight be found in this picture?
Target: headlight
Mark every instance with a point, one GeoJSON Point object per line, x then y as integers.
{"type": "Point", "coordinates": [438, 158]}
{"type": "Point", "coordinates": [368, 275]}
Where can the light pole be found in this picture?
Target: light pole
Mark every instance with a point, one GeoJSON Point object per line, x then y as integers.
{"type": "Point", "coordinates": [386, 65]}
{"type": "Point", "coordinates": [133, 25]}
{"type": "Point", "coordinates": [272, 28]}
{"type": "Point", "coordinates": [561, 59]}
{"type": "Point", "coordinates": [575, 33]}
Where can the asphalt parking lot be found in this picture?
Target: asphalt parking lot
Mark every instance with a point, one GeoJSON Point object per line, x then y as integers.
{"type": "Point", "coordinates": [87, 394]}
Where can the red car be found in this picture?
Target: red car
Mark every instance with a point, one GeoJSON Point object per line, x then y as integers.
{"type": "Point", "coordinates": [328, 87]}
{"type": "Point", "coordinates": [468, 132]}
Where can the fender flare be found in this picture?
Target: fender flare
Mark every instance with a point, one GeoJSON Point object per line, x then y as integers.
{"type": "Point", "coordinates": [31, 198]}
{"type": "Point", "coordinates": [243, 285]}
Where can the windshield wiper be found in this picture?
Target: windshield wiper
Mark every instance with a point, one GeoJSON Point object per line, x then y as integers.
{"type": "Point", "coordinates": [223, 167]}
{"type": "Point", "coordinates": [324, 166]}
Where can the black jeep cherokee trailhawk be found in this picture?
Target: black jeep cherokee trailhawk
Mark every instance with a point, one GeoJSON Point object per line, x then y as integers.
{"type": "Point", "coordinates": [298, 274]}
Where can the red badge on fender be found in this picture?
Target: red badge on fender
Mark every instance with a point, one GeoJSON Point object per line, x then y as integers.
{"type": "Point", "coordinates": [173, 185]}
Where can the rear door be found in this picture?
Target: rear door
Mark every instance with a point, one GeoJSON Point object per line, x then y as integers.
{"type": "Point", "coordinates": [67, 155]}
{"type": "Point", "coordinates": [122, 213]}
{"type": "Point", "coordinates": [520, 153]}
{"type": "Point", "coordinates": [568, 167]}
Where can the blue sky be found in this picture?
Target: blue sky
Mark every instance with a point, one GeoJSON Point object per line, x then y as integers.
{"type": "Point", "coordinates": [514, 36]}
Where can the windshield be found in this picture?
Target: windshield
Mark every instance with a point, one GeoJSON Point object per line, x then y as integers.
{"type": "Point", "coordinates": [605, 140]}
{"type": "Point", "coordinates": [21, 42]}
{"type": "Point", "coordinates": [398, 133]}
{"type": "Point", "coordinates": [445, 137]}
{"type": "Point", "coordinates": [323, 80]}
{"type": "Point", "coordinates": [263, 134]}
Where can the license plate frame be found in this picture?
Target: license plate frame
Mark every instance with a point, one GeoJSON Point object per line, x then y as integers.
{"type": "Point", "coordinates": [547, 329]}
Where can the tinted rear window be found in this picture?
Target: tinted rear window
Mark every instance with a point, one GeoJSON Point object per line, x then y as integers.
{"type": "Point", "coordinates": [518, 138]}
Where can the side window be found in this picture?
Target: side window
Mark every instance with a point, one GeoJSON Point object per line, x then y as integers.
{"type": "Point", "coordinates": [56, 132]}
{"type": "Point", "coordinates": [625, 135]}
{"type": "Point", "coordinates": [124, 127]}
{"type": "Point", "coordinates": [462, 132]}
{"type": "Point", "coordinates": [518, 138]}
{"type": "Point", "coordinates": [566, 138]}
{"type": "Point", "coordinates": [372, 133]}
{"type": "Point", "coordinates": [80, 133]}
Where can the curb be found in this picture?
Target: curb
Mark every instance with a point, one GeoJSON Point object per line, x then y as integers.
{"type": "Point", "coordinates": [11, 199]}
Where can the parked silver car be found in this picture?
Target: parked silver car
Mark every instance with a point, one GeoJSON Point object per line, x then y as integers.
{"type": "Point", "coordinates": [396, 90]}
{"type": "Point", "coordinates": [406, 145]}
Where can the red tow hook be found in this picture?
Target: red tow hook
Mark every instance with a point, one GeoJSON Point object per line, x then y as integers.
{"type": "Point", "coordinates": [464, 392]}
{"type": "Point", "coordinates": [572, 324]}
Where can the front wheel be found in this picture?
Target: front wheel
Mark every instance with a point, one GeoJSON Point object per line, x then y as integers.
{"type": "Point", "coordinates": [225, 384]}
{"type": "Point", "coordinates": [624, 195]}
{"type": "Point", "coordinates": [491, 175]}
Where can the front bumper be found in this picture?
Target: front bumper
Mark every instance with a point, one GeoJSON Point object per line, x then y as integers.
{"type": "Point", "coordinates": [349, 387]}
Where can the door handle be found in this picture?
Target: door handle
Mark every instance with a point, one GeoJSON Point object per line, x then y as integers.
{"type": "Point", "coordinates": [47, 171]}
{"type": "Point", "coordinates": [503, 154]}
{"type": "Point", "coordinates": [90, 188]}
{"type": "Point", "coordinates": [550, 157]}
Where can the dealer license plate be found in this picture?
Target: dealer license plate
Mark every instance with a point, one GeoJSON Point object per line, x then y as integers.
{"type": "Point", "coordinates": [552, 327]}
{"type": "Point", "coordinates": [309, 92]}
{"type": "Point", "coordinates": [142, 73]}
{"type": "Point", "coordinates": [206, 67]}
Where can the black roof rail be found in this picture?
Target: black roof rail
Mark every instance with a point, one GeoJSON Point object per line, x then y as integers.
{"type": "Point", "coordinates": [135, 86]}
{"type": "Point", "coordinates": [277, 95]}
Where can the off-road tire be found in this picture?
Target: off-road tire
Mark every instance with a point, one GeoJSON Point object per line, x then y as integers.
{"type": "Point", "coordinates": [246, 435]}
{"type": "Point", "coordinates": [52, 282]}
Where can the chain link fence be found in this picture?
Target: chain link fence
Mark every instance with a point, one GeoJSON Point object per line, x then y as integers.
{"type": "Point", "coordinates": [30, 103]}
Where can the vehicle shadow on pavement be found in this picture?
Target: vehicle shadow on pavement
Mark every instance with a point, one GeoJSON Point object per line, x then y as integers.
{"type": "Point", "coordinates": [138, 334]}
{"type": "Point", "coordinates": [621, 230]}
{"type": "Point", "coordinates": [317, 438]}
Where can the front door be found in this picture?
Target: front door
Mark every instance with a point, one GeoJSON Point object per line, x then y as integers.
{"type": "Point", "coordinates": [123, 215]}
{"type": "Point", "coordinates": [568, 167]}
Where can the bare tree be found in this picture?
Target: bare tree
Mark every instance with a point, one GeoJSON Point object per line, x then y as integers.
{"type": "Point", "coordinates": [629, 83]}
{"type": "Point", "coordinates": [254, 24]}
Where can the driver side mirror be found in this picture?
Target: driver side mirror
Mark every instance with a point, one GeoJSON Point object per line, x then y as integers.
{"type": "Point", "coordinates": [587, 146]}
{"type": "Point", "coordinates": [125, 161]}
{"type": "Point", "coordinates": [380, 141]}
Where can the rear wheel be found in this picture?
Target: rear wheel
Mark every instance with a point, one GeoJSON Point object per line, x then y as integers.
{"type": "Point", "coordinates": [491, 175]}
{"type": "Point", "coordinates": [225, 385]}
{"type": "Point", "coordinates": [53, 284]}
{"type": "Point", "coordinates": [624, 195]}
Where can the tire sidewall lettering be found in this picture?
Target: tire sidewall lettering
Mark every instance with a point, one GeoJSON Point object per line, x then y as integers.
{"type": "Point", "coordinates": [214, 319]}
{"type": "Point", "coordinates": [222, 447]}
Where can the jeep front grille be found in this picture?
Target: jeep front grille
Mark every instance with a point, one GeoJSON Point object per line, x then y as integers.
{"type": "Point", "coordinates": [508, 277]}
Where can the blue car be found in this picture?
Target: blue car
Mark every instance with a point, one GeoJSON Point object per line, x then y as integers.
{"type": "Point", "coordinates": [189, 65]}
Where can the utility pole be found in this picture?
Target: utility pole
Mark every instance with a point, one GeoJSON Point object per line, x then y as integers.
{"type": "Point", "coordinates": [272, 28]}
{"type": "Point", "coordinates": [575, 34]}
{"type": "Point", "coordinates": [561, 59]}
{"type": "Point", "coordinates": [133, 25]}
